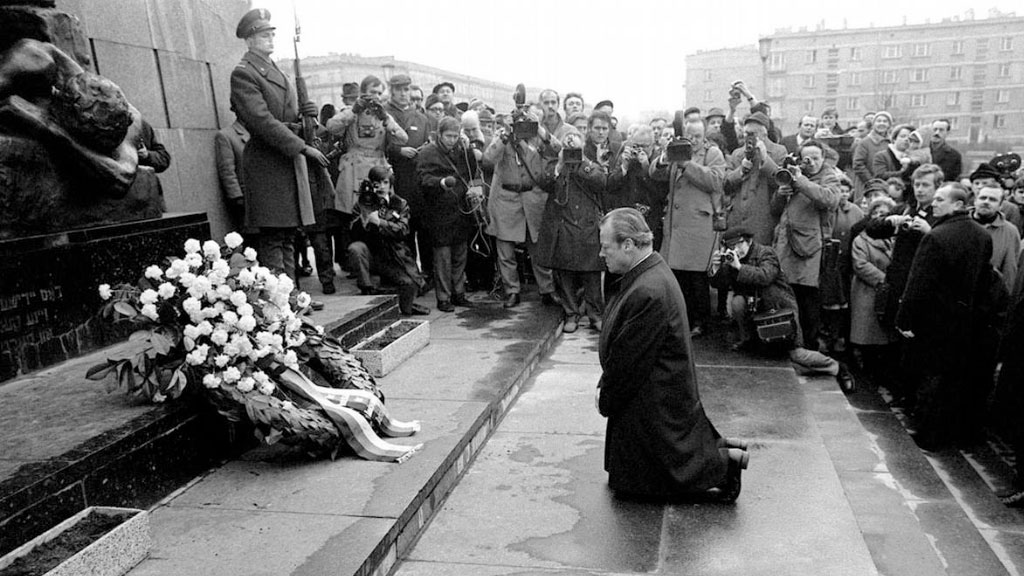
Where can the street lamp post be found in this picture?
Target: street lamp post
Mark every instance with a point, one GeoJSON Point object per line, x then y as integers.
{"type": "Point", "coordinates": [764, 48]}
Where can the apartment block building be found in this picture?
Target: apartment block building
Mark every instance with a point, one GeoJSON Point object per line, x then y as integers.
{"type": "Point", "coordinates": [326, 75]}
{"type": "Point", "coordinates": [969, 71]}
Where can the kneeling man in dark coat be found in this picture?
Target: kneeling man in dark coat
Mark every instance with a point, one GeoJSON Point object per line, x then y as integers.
{"type": "Point", "coordinates": [659, 443]}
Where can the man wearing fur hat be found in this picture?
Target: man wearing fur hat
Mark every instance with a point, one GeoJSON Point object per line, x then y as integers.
{"type": "Point", "coordinates": [275, 172]}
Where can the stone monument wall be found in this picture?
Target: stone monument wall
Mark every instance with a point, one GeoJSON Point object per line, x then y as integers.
{"type": "Point", "coordinates": [173, 60]}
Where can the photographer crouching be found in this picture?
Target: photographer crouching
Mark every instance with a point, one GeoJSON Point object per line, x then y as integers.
{"type": "Point", "coordinates": [380, 227]}
{"type": "Point", "coordinates": [752, 272]}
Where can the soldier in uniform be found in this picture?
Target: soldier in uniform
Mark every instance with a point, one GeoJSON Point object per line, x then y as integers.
{"type": "Point", "coordinates": [275, 174]}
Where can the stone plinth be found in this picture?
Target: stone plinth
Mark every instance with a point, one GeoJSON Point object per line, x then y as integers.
{"type": "Point", "coordinates": [48, 296]}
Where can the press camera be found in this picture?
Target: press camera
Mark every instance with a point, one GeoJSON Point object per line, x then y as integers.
{"type": "Point", "coordinates": [679, 149]}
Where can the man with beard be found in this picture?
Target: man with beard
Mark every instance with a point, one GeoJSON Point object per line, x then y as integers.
{"type": "Point", "coordinates": [948, 283]}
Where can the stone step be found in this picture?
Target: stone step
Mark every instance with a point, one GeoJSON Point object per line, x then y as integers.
{"type": "Point", "coordinates": [66, 444]}
{"type": "Point", "coordinates": [923, 513]}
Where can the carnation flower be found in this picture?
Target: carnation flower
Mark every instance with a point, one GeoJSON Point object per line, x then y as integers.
{"type": "Point", "coordinates": [290, 359]}
{"type": "Point", "coordinates": [222, 360]}
{"type": "Point", "coordinates": [303, 300]}
{"type": "Point", "coordinates": [105, 292]}
{"type": "Point", "coordinates": [246, 384]}
{"type": "Point", "coordinates": [211, 250]}
{"type": "Point", "coordinates": [154, 272]}
{"type": "Point", "coordinates": [250, 254]}
{"type": "Point", "coordinates": [149, 311]}
{"type": "Point", "coordinates": [286, 405]}
{"type": "Point", "coordinates": [193, 260]}
{"type": "Point", "coordinates": [148, 297]}
{"type": "Point", "coordinates": [205, 328]}
{"type": "Point", "coordinates": [198, 356]}
{"type": "Point", "coordinates": [246, 323]}
{"type": "Point", "coordinates": [233, 240]}
{"type": "Point", "coordinates": [219, 337]}
{"type": "Point", "coordinates": [191, 305]}
{"type": "Point", "coordinates": [166, 290]}
{"type": "Point", "coordinates": [246, 278]}
{"type": "Point", "coordinates": [224, 292]}
{"type": "Point", "coordinates": [221, 267]}
{"type": "Point", "coordinates": [297, 340]}
{"type": "Point", "coordinates": [230, 318]}
{"type": "Point", "coordinates": [187, 279]}
{"type": "Point", "coordinates": [267, 388]}
{"type": "Point", "coordinates": [158, 397]}
{"type": "Point", "coordinates": [238, 298]}
{"type": "Point", "coordinates": [211, 381]}
{"type": "Point", "coordinates": [192, 246]}
{"type": "Point", "coordinates": [245, 310]}
{"type": "Point", "coordinates": [232, 349]}
{"type": "Point", "coordinates": [192, 332]}
{"type": "Point", "coordinates": [232, 374]}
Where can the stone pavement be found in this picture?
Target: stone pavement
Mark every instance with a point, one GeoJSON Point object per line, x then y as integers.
{"type": "Point", "coordinates": [276, 512]}
{"type": "Point", "coordinates": [835, 486]}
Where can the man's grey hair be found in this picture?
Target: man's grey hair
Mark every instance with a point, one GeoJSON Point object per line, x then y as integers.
{"type": "Point", "coordinates": [629, 223]}
{"type": "Point", "coordinates": [957, 191]}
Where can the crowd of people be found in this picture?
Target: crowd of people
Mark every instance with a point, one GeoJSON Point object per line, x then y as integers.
{"type": "Point", "coordinates": [867, 246]}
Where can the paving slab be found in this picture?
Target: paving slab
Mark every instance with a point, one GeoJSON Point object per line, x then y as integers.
{"type": "Point", "coordinates": [239, 542]}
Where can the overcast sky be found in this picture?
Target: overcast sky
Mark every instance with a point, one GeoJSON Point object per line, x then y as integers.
{"type": "Point", "coordinates": [631, 52]}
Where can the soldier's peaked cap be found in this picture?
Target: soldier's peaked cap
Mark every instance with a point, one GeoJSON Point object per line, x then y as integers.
{"type": "Point", "coordinates": [254, 21]}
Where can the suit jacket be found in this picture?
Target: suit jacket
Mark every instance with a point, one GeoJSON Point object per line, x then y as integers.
{"type": "Point", "coordinates": [230, 143]}
{"type": "Point", "coordinates": [264, 101]}
{"type": "Point", "coordinates": [659, 441]}
{"type": "Point", "coordinates": [792, 147]}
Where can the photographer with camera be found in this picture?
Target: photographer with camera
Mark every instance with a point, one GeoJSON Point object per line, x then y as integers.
{"type": "Point", "coordinates": [380, 226]}
{"type": "Point", "coordinates": [751, 272]}
{"type": "Point", "coordinates": [569, 237]}
{"type": "Point", "coordinates": [522, 156]}
{"type": "Point", "coordinates": [366, 132]}
{"type": "Point", "coordinates": [452, 189]}
{"type": "Point", "coordinates": [808, 194]}
{"type": "Point", "coordinates": [631, 186]}
{"type": "Point", "coordinates": [750, 179]}
{"type": "Point", "coordinates": [694, 171]}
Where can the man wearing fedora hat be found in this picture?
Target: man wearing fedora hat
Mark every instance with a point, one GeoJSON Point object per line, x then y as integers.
{"type": "Point", "coordinates": [275, 173]}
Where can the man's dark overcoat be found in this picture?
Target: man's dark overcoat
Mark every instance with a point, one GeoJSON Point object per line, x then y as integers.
{"type": "Point", "coordinates": [944, 290]}
{"type": "Point", "coordinates": [264, 101]}
{"type": "Point", "coordinates": [446, 211]}
{"type": "Point", "coordinates": [659, 441]}
{"type": "Point", "coordinates": [570, 231]}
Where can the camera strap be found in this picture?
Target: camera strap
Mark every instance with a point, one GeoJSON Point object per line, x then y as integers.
{"type": "Point", "coordinates": [524, 164]}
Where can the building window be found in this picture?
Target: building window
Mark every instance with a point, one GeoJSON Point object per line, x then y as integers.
{"type": "Point", "coordinates": [808, 81]}
{"type": "Point", "coordinates": [999, 121]}
{"type": "Point", "coordinates": [775, 87]}
{"type": "Point", "coordinates": [956, 73]}
{"type": "Point", "coordinates": [853, 103]}
{"type": "Point", "coordinates": [1006, 43]}
{"type": "Point", "coordinates": [855, 54]}
{"type": "Point", "coordinates": [707, 75]}
{"type": "Point", "coordinates": [958, 47]}
{"type": "Point", "coordinates": [854, 79]}
{"type": "Point", "coordinates": [778, 61]}
{"type": "Point", "coordinates": [892, 51]}
{"type": "Point", "coordinates": [919, 75]}
{"type": "Point", "coordinates": [921, 49]}
{"type": "Point", "coordinates": [809, 107]}
{"type": "Point", "coordinates": [1004, 70]}
{"type": "Point", "coordinates": [1003, 96]}
{"type": "Point", "coordinates": [890, 76]}
{"type": "Point", "coordinates": [812, 57]}
{"type": "Point", "coordinates": [917, 100]}
{"type": "Point", "coordinates": [953, 99]}
{"type": "Point", "coordinates": [709, 96]}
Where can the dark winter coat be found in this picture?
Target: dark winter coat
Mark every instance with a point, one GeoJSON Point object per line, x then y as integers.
{"type": "Point", "coordinates": [949, 159]}
{"type": "Point", "coordinates": [946, 286]}
{"type": "Point", "coordinates": [759, 275]}
{"type": "Point", "coordinates": [264, 101]}
{"type": "Point", "coordinates": [446, 213]}
{"type": "Point", "coordinates": [570, 234]}
{"type": "Point", "coordinates": [387, 241]}
{"type": "Point", "coordinates": [407, 184]}
{"type": "Point", "coordinates": [659, 441]}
